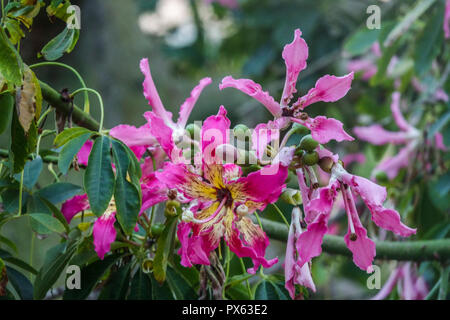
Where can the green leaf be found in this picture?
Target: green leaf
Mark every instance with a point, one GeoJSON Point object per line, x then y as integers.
{"type": "Point", "coordinates": [8, 242]}
{"type": "Point", "coordinates": [20, 283]}
{"type": "Point", "coordinates": [164, 249]}
{"type": "Point", "coordinates": [69, 134]}
{"type": "Point", "coordinates": [48, 221]}
{"type": "Point", "coordinates": [6, 109]}
{"type": "Point", "coordinates": [429, 43]}
{"type": "Point", "coordinates": [117, 285]}
{"type": "Point", "coordinates": [22, 145]}
{"type": "Point", "coordinates": [91, 275]}
{"type": "Point", "coordinates": [10, 61]}
{"type": "Point", "coordinates": [180, 287]}
{"type": "Point", "coordinates": [63, 42]}
{"type": "Point", "coordinates": [31, 173]}
{"type": "Point", "coordinates": [57, 213]}
{"type": "Point", "coordinates": [161, 291]}
{"type": "Point", "coordinates": [361, 40]}
{"type": "Point", "coordinates": [99, 177]}
{"type": "Point", "coordinates": [403, 26]}
{"type": "Point", "coordinates": [52, 269]}
{"type": "Point", "coordinates": [267, 290]}
{"type": "Point", "coordinates": [127, 197]}
{"type": "Point", "coordinates": [28, 100]}
{"type": "Point", "coordinates": [59, 192]}
{"type": "Point", "coordinates": [20, 263]}
{"type": "Point", "coordinates": [141, 287]}
{"type": "Point", "coordinates": [69, 150]}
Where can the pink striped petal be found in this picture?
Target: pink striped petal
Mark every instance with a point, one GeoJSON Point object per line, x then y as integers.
{"type": "Point", "coordinates": [104, 234]}
{"type": "Point", "coordinates": [377, 135]}
{"type": "Point", "coordinates": [188, 105]}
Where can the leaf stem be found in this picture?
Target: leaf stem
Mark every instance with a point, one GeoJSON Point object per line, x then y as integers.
{"type": "Point", "coordinates": [102, 111]}
{"type": "Point", "coordinates": [77, 74]}
{"type": "Point", "coordinates": [20, 194]}
{"type": "Point", "coordinates": [246, 280]}
{"type": "Point", "coordinates": [444, 282]}
{"type": "Point", "coordinates": [281, 215]}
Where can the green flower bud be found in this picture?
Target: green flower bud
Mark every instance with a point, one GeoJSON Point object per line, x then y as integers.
{"type": "Point", "coordinates": [157, 229]}
{"type": "Point", "coordinates": [299, 128]}
{"type": "Point", "coordinates": [147, 265]}
{"type": "Point", "coordinates": [308, 143]}
{"type": "Point", "coordinates": [193, 130]}
{"type": "Point", "coordinates": [240, 131]}
{"type": "Point", "coordinates": [310, 158]}
{"type": "Point", "coordinates": [299, 152]}
{"type": "Point", "coordinates": [172, 208]}
{"type": "Point", "coordinates": [252, 168]}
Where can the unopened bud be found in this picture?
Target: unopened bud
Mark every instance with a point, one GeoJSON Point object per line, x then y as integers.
{"type": "Point", "coordinates": [292, 196]}
{"type": "Point", "coordinates": [172, 207]}
{"type": "Point", "coordinates": [326, 164]}
{"type": "Point", "coordinates": [157, 229]}
{"type": "Point", "coordinates": [310, 158]}
{"type": "Point", "coordinates": [308, 144]}
{"type": "Point", "coordinates": [147, 265]}
{"type": "Point", "coordinates": [299, 129]}
{"type": "Point", "coordinates": [193, 130]}
{"type": "Point", "coordinates": [240, 131]}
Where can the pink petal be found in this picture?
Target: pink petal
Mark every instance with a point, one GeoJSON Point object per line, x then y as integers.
{"type": "Point", "coordinates": [377, 135]}
{"type": "Point", "coordinates": [85, 151]}
{"type": "Point", "coordinates": [363, 248]}
{"type": "Point", "coordinates": [371, 193]}
{"type": "Point", "coordinates": [325, 129]}
{"type": "Point", "coordinates": [392, 165]}
{"type": "Point", "coordinates": [439, 140]}
{"type": "Point", "coordinates": [74, 205]}
{"type": "Point", "coordinates": [354, 157]}
{"type": "Point", "coordinates": [366, 66]}
{"type": "Point", "coordinates": [151, 94]}
{"type": "Point", "coordinates": [104, 234]}
{"type": "Point", "coordinates": [398, 117]}
{"type": "Point", "coordinates": [388, 286]}
{"type": "Point", "coordinates": [191, 251]}
{"type": "Point", "coordinates": [163, 134]}
{"type": "Point", "coordinates": [188, 105]}
{"type": "Point", "coordinates": [390, 220]}
{"type": "Point", "coordinates": [255, 91]}
{"type": "Point", "coordinates": [327, 89]}
{"type": "Point", "coordinates": [265, 188]}
{"type": "Point", "coordinates": [264, 134]}
{"type": "Point", "coordinates": [253, 243]}
{"type": "Point", "coordinates": [295, 55]}
{"type": "Point", "coordinates": [309, 243]}
{"type": "Point", "coordinates": [132, 136]}
{"type": "Point", "coordinates": [215, 131]}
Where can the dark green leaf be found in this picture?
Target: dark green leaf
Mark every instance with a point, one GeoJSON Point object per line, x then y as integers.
{"type": "Point", "coordinates": [180, 287]}
{"type": "Point", "coordinates": [21, 144]}
{"type": "Point", "coordinates": [57, 213]}
{"type": "Point", "coordinates": [10, 61]}
{"type": "Point", "coordinates": [63, 42]}
{"type": "Point", "coordinates": [6, 109]}
{"type": "Point", "coordinates": [91, 275]}
{"type": "Point", "coordinates": [49, 222]}
{"type": "Point", "coordinates": [267, 290]}
{"type": "Point", "coordinates": [117, 284]}
{"type": "Point", "coordinates": [21, 284]}
{"type": "Point", "coordinates": [141, 287]}
{"type": "Point", "coordinates": [59, 192]}
{"type": "Point", "coordinates": [127, 197]}
{"type": "Point", "coordinates": [31, 173]}
{"type": "Point", "coordinates": [99, 177]}
{"type": "Point", "coordinates": [69, 134]}
{"type": "Point", "coordinates": [161, 291]}
{"type": "Point", "coordinates": [69, 150]}
{"type": "Point", "coordinates": [164, 249]}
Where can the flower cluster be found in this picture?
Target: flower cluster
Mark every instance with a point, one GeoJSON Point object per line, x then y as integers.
{"type": "Point", "coordinates": [216, 200]}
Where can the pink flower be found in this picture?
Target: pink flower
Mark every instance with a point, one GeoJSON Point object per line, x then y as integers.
{"type": "Point", "coordinates": [366, 65]}
{"type": "Point", "coordinates": [85, 151]}
{"type": "Point", "coordinates": [219, 202]}
{"type": "Point", "coordinates": [104, 233]}
{"type": "Point", "coordinates": [318, 204]}
{"type": "Point", "coordinates": [74, 205]}
{"type": "Point", "coordinates": [293, 273]}
{"type": "Point", "coordinates": [410, 285]}
{"type": "Point", "coordinates": [137, 139]}
{"type": "Point", "coordinates": [162, 127]}
{"type": "Point", "coordinates": [327, 89]}
{"type": "Point", "coordinates": [408, 136]}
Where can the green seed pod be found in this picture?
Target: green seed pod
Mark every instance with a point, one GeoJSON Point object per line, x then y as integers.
{"type": "Point", "coordinates": [193, 130]}
{"type": "Point", "coordinates": [308, 143]}
{"type": "Point", "coordinates": [157, 229]}
{"type": "Point", "coordinates": [172, 207]}
{"type": "Point", "coordinates": [240, 131]}
{"type": "Point", "coordinates": [326, 164]}
{"type": "Point", "coordinates": [299, 152]}
{"type": "Point", "coordinates": [310, 158]}
{"type": "Point", "coordinates": [292, 196]}
{"type": "Point", "coordinates": [248, 169]}
{"type": "Point", "coordinates": [299, 128]}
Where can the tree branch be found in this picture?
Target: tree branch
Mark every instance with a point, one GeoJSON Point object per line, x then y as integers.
{"type": "Point", "coordinates": [80, 117]}
{"type": "Point", "coordinates": [423, 250]}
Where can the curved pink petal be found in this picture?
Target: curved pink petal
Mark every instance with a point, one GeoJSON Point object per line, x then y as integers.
{"type": "Point", "coordinates": [398, 116]}
{"type": "Point", "coordinates": [377, 135]}
{"type": "Point", "coordinates": [188, 105]}
{"type": "Point", "coordinates": [151, 94]}
{"type": "Point", "coordinates": [325, 129]}
{"type": "Point", "coordinates": [163, 134]}
{"type": "Point", "coordinates": [191, 251]}
{"type": "Point", "coordinates": [309, 243]}
{"type": "Point", "coordinates": [85, 151]}
{"type": "Point", "coordinates": [295, 55]}
{"type": "Point", "coordinates": [327, 89]}
{"type": "Point", "coordinates": [104, 234]}
{"type": "Point", "coordinates": [255, 91]}
{"type": "Point", "coordinates": [265, 188]}
{"type": "Point", "coordinates": [132, 136]}
{"type": "Point", "coordinates": [439, 140]}
{"type": "Point", "coordinates": [371, 193]}
{"type": "Point", "coordinates": [264, 134]}
{"type": "Point", "coordinates": [215, 131]}
{"type": "Point", "coordinates": [392, 165]}
{"type": "Point", "coordinates": [366, 66]}
{"type": "Point", "coordinates": [389, 285]}
{"type": "Point", "coordinates": [253, 243]}
{"type": "Point", "coordinates": [363, 248]}
{"type": "Point", "coordinates": [390, 220]}
{"type": "Point", "coordinates": [74, 205]}
{"type": "Point", "coordinates": [354, 157]}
